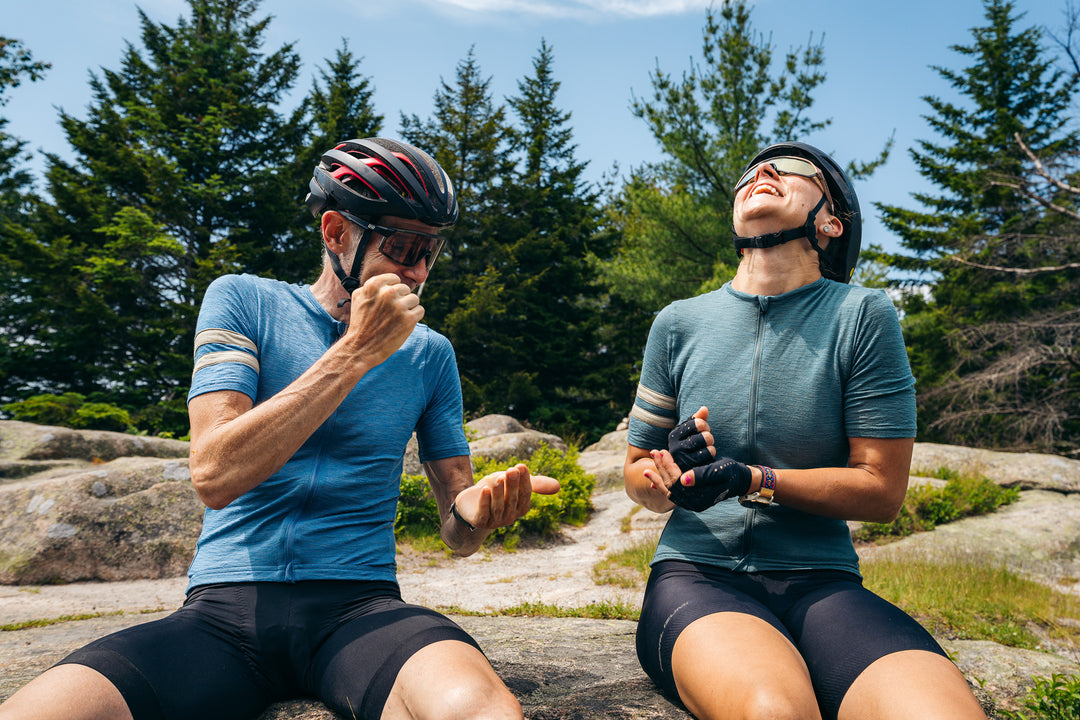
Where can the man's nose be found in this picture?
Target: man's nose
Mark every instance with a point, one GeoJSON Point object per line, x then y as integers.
{"type": "Point", "coordinates": [419, 271]}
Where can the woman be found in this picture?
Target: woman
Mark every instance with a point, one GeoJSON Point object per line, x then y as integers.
{"type": "Point", "coordinates": [801, 412]}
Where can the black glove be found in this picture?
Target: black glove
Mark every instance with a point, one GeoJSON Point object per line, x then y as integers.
{"type": "Point", "coordinates": [687, 446]}
{"type": "Point", "coordinates": [725, 478]}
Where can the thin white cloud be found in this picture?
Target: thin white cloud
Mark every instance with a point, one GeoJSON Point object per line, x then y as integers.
{"type": "Point", "coordinates": [573, 8]}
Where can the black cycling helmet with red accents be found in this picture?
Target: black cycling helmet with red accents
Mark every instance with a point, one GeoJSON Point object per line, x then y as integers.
{"type": "Point", "coordinates": [377, 177]}
{"type": "Point", "coordinates": [838, 259]}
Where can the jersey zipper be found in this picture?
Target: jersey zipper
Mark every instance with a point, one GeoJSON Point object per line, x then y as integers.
{"type": "Point", "coordinates": [755, 376]}
{"type": "Point", "coordinates": [301, 508]}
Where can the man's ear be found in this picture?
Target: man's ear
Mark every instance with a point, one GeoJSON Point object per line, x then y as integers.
{"type": "Point", "coordinates": [335, 232]}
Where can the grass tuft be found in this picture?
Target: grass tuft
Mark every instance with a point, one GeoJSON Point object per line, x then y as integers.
{"type": "Point", "coordinates": [45, 622]}
{"type": "Point", "coordinates": [628, 567]}
{"type": "Point", "coordinates": [927, 506]}
{"type": "Point", "coordinates": [595, 611]}
{"type": "Point", "coordinates": [966, 598]}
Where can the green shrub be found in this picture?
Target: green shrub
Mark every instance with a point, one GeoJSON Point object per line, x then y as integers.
{"type": "Point", "coordinates": [70, 410]}
{"type": "Point", "coordinates": [168, 418]}
{"type": "Point", "coordinates": [46, 409]}
{"type": "Point", "coordinates": [417, 511]}
{"type": "Point", "coordinates": [101, 416]}
{"type": "Point", "coordinates": [1053, 698]}
{"type": "Point", "coordinates": [165, 419]}
{"type": "Point", "coordinates": [418, 515]}
{"type": "Point", "coordinates": [927, 506]}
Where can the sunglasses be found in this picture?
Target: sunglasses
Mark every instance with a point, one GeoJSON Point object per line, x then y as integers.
{"type": "Point", "coordinates": [788, 166]}
{"type": "Point", "coordinates": [405, 247]}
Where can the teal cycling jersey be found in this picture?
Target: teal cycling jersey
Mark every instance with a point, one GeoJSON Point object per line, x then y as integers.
{"type": "Point", "coordinates": [328, 513]}
{"type": "Point", "coordinates": [787, 380]}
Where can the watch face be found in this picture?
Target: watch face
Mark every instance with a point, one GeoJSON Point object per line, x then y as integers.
{"type": "Point", "coordinates": [756, 499]}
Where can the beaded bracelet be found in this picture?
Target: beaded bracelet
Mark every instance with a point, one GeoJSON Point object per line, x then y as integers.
{"type": "Point", "coordinates": [768, 478]}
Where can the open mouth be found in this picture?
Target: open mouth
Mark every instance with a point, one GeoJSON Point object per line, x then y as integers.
{"type": "Point", "coordinates": [762, 188]}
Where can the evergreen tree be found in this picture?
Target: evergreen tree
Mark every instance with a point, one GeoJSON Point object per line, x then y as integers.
{"type": "Point", "coordinates": [527, 333]}
{"type": "Point", "coordinates": [341, 105]}
{"type": "Point", "coordinates": [993, 346]}
{"type": "Point", "coordinates": [179, 173]}
{"type": "Point", "coordinates": [16, 201]}
{"type": "Point", "coordinates": [675, 215]}
{"type": "Point", "coordinates": [16, 63]}
{"type": "Point", "coordinates": [469, 137]}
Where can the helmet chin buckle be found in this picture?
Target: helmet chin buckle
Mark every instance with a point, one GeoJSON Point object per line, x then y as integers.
{"type": "Point", "coordinates": [808, 231]}
{"type": "Point", "coordinates": [351, 281]}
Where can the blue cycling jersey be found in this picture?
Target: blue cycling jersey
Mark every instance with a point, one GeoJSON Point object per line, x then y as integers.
{"type": "Point", "coordinates": [328, 513]}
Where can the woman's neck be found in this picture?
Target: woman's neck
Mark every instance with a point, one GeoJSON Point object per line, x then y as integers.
{"type": "Point", "coordinates": [776, 270]}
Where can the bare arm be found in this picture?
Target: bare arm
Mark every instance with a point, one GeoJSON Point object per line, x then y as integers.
{"type": "Point", "coordinates": [870, 489]}
{"type": "Point", "coordinates": [497, 500]}
{"type": "Point", "coordinates": [643, 481]}
{"type": "Point", "coordinates": [235, 447]}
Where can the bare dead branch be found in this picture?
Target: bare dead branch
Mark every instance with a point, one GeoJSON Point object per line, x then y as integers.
{"type": "Point", "coordinates": [1041, 169]}
{"type": "Point", "coordinates": [1072, 23]}
{"type": "Point", "coordinates": [1015, 271]}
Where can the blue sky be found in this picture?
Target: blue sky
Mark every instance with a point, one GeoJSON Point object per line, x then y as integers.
{"type": "Point", "coordinates": [878, 58]}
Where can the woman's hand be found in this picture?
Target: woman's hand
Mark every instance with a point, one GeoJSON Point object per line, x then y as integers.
{"type": "Point", "coordinates": [701, 488]}
{"type": "Point", "coordinates": [691, 442]}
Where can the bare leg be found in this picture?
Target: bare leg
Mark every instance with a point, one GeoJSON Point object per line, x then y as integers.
{"type": "Point", "coordinates": [449, 680]}
{"type": "Point", "coordinates": [732, 666]}
{"type": "Point", "coordinates": [67, 692]}
{"type": "Point", "coordinates": [911, 684]}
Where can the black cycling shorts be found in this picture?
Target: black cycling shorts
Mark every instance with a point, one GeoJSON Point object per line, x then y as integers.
{"type": "Point", "coordinates": [233, 649]}
{"type": "Point", "coordinates": [838, 626]}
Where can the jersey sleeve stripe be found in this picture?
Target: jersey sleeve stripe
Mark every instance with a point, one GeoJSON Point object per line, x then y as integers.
{"type": "Point", "coordinates": [215, 358]}
{"type": "Point", "coordinates": [654, 398]}
{"type": "Point", "coordinates": [224, 337]}
{"type": "Point", "coordinates": [651, 418]}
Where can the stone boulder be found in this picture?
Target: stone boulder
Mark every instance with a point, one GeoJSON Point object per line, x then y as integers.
{"type": "Point", "coordinates": [499, 438]}
{"type": "Point", "coordinates": [614, 441]}
{"type": "Point", "coordinates": [490, 425]}
{"type": "Point", "coordinates": [604, 460]}
{"type": "Point", "coordinates": [558, 668]}
{"type": "Point", "coordinates": [1029, 471]}
{"type": "Point", "coordinates": [93, 505]}
{"type": "Point", "coordinates": [501, 448]}
{"type": "Point", "coordinates": [23, 443]}
{"type": "Point", "coordinates": [495, 437]}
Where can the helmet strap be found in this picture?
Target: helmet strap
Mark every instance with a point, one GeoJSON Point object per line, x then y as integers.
{"type": "Point", "coordinates": [350, 281]}
{"type": "Point", "coordinates": [808, 231]}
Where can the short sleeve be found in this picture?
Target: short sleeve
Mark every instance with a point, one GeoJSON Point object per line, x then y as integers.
{"type": "Point", "coordinates": [440, 433]}
{"type": "Point", "coordinates": [654, 412]}
{"type": "Point", "coordinates": [226, 350]}
{"type": "Point", "coordinates": [879, 398]}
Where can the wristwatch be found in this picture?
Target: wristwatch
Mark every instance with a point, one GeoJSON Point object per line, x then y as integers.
{"type": "Point", "coordinates": [764, 495]}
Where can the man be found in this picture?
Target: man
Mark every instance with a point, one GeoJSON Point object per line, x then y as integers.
{"type": "Point", "coordinates": [301, 405]}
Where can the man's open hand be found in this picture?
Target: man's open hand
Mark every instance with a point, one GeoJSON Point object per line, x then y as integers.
{"type": "Point", "coordinates": [498, 499]}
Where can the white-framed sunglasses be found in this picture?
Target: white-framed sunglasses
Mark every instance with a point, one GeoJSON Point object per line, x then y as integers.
{"type": "Point", "coordinates": [787, 165]}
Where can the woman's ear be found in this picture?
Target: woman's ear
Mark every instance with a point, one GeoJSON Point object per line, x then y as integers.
{"type": "Point", "coordinates": [831, 227]}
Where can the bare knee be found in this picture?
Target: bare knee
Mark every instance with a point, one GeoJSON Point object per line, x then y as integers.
{"type": "Point", "coordinates": [768, 704]}
{"type": "Point", "coordinates": [481, 701]}
{"type": "Point", "coordinates": [67, 692]}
